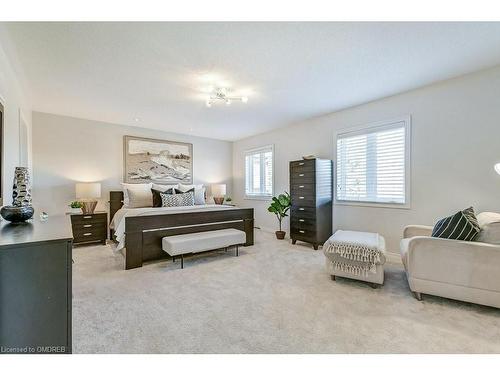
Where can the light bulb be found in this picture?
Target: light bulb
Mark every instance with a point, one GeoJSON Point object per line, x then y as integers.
{"type": "Point", "coordinates": [244, 99]}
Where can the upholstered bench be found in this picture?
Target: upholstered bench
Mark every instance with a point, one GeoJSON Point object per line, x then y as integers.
{"type": "Point", "coordinates": [202, 241]}
{"type": "Point", "coordinates": [356, 255]}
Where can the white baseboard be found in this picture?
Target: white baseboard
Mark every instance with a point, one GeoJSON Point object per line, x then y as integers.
{"type": "Point", "coordinates": [394, 258]}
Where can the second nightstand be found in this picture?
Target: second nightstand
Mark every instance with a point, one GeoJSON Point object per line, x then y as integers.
{"type": "Point", "coordinates": [90, 228]}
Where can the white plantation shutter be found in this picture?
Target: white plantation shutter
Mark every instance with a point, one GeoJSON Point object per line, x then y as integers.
{"type": "Point", "coordinates": [372, 164]}
{"type": "Point", "coordinates": [259, 172]}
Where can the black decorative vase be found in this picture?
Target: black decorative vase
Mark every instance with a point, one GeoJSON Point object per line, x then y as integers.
{"type": "Point", "coordinates": [21, 209]}
{"type": "Point", "coordinates": [17, 214]}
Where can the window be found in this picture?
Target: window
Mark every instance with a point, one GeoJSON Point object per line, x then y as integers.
{"type": "Point", "coordinates": [373, 164]}
{"type": "Point", "coordinates": [259, 172]}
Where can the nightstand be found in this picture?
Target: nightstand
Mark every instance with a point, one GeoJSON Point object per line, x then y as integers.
{"type": "Point", "coordinates": [90, 228]}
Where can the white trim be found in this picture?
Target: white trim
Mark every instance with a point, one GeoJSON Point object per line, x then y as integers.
{"type": "Point", "coordinates": [363, 129]}
{"type": "Point", "coordinates": [393, 258]}
{"type": "Point", "coordinates": [259, 197]}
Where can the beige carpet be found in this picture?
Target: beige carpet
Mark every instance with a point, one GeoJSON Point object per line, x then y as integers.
{"type": "Point", "coordinates": [273, 298]}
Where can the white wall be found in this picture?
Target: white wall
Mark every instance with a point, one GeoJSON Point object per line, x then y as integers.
{"type": "Point", "coordinates": [16, 102]}
{"type": "Point", "coordinates": [67, 150]}
{"type": "Point", "coordinates": [455, 143]}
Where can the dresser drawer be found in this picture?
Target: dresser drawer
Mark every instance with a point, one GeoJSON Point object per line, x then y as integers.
{"type": "Point", "coordinates": [303, 200]}
{"type": "Point", "coordinates": [303, 223]}
{"type": "Point", "coordinates": [303, 212]}
{"type": "Point", "coordinates": [304, 188]}
{"type": "Point", "coordinates": [86, 226]}
{"type": "Point", "coordinates": [302, 177]}
{"type": "Point", "coordinates": [303, 166]}
{"type": "Point", "coordinates": [93, 218]}
{"type": "Point", "coordinates": [303, 234]}
{"type": "Point", "coordinates": [96, 234]}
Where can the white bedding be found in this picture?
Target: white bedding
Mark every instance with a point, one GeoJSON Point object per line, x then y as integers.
{"type": "Point", "coordinates": [118, 222]}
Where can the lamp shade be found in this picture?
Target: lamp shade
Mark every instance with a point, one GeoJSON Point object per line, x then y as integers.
{"type": "Point", "coordinates": [88, 190]}
{"type": "Point", "coordinates": [219, 190]}
{"type": "Point", "coordinates": [497, 168]}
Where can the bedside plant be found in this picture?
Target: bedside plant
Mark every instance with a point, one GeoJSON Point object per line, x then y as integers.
{"type": "Point", "coordinates": [76, 207]}
{"type": "Point", "coordinates": [280, 206]}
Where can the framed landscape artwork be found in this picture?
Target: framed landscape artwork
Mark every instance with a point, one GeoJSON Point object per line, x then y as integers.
{"type": "Point", "coordinates": [157, 160]}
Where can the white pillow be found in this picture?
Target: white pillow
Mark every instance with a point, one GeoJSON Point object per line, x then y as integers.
{"type": "Point", "coordinates": [489, 222]}
{"type": "Point", "coordinates": [164, 188]}
{"type": "Point", "coordinates": [138, 198]}
{"type": "Point", "coordinates": [139, 187]}
{"type": "Point", "coordinates": [199, 192]}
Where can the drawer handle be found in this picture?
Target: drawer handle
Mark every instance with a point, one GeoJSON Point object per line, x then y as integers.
{"type": "Point", "coordinates": [301, 231]}
{"type": "Point", "coordinates": [301, 220]}
{"type": "Point", "coordinates": [87, 217]}
{"type": "Point", "coordinates": [301, 163]}
{"type": "Point", "coordinates": [301, 209]}
{"type": "Point", "coordinates": [87, 225]}
{"type": "Point", "coordinates": [87, 234]}
{"type": "Point", "coordinates": [301, 197]}
{"type": "Point", "coordinates": [301, 186]}
{"type": "Point", "coordinates": [301, 174]}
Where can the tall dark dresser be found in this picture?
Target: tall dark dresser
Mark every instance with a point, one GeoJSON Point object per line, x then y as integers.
{"type": "Point", "coordinates": [35, 286]}
{"type": "Point", "coordinates": [311, 190]}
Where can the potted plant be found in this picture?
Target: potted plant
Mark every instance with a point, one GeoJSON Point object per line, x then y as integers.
{"type": "Point", "coordinates": [76, 207]}
{"type": "Point", "coordinates": [280, 206]}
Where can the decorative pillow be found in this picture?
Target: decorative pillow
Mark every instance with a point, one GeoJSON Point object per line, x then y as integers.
{"type": "Point", "coordinates": [461, 226]}
{"type": "Point", "coordinates": [157, 197]}
{"type": "Point", "coordinates": [139, 198]}
{"type": "Point", "coordinates": [199, 192]}
{"type": "Point", "coordinates": [177, 200]}
{"type": "Point", "coordinates": [490, 228]}
{"type": "Point", "coordinates": [137, 187]}
{"type": "Point", "coordinates": [164, 187]}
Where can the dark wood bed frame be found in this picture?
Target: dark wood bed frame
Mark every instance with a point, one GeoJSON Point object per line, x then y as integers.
{"type": "Point", "coordinates": [143, 234]}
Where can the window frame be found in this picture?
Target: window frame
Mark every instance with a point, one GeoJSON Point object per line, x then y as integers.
{"type": "Point", "coordinates": [260, 197]}
{"type": "Point", "coordinates": [363, 129]}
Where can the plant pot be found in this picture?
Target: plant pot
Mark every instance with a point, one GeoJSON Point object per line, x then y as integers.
{"type": "Point", "coordinates": [280, 235]}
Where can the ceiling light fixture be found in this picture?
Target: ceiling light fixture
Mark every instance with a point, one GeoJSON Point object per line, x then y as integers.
{"type": "Point", "coordinates": [222, 94]}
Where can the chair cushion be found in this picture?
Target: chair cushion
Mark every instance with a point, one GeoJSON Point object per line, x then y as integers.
{"type": "Point", "coordinates": [490, 228]}
{"type": "Point", "coordinates": [202, 241]}
{"type": "Point", "coordinates": [461, 226]}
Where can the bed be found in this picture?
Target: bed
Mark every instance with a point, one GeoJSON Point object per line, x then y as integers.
{"type": "Point", "coordinates": [138, 231]}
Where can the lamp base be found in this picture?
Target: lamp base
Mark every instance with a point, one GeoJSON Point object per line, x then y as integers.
{"type": "Point", "coordinates": [218, 200]}
{"type": "Point", "coordinates": [88, 208]}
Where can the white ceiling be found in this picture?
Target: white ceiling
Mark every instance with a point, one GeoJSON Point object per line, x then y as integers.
{"type": "Point", "coordinates": [156, 72]}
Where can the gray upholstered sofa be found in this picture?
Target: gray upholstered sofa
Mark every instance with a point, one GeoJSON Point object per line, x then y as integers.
{"type": "Point", "coordinates": [462, 270]}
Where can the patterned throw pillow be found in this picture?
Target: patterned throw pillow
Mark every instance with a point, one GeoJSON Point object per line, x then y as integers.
{"type": "Point", "coordinates": [461, 226]}
{"type": "Point", "coordinates": [157, 202]}
{"type": "Point", "coordinates": [177, 200]}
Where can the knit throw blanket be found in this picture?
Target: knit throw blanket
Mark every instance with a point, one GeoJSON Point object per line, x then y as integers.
{"type": "Point", "coordinates": [357, 253]}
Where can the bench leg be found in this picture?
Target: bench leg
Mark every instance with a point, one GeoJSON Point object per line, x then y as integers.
{"type": "Point", "coordinates": [173, 259]}
{"type": "Point", "coordinates": [237, 251]}
{"type": "Point", "coordinates": [182, 261]}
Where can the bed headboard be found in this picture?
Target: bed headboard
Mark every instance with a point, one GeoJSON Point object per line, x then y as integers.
{"type": "Point", "coordinates": [115, 202]}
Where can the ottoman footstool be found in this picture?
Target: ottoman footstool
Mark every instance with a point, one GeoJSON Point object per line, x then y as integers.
{"type": "Point", "coordinates": [356, 255]}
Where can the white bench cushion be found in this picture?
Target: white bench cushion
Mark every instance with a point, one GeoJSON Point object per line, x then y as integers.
{"type": "Point", "coordinates": [202, 241]}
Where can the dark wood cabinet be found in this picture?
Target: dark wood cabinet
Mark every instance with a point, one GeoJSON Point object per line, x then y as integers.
{"type": "Point", "coordinates": [35, 286]}
{"type": "Point", "coordinates": [311, 190]}
{"type": "Point", "coordinates": [90, 228]}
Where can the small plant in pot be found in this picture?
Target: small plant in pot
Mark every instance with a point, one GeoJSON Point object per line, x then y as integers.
{"type": "Point", "coordinates": [280, 206]}
{"type": "Point", "coordinates": [76, 207]}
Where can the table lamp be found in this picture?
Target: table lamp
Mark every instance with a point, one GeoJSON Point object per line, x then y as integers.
{"type": "Point", "coordinates": [87, 193]}
{"type": "Point", "coordinates": [219, 193]}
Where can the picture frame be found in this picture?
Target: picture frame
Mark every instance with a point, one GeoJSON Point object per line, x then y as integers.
{"type": "Point", "coordinates": [157, 160]}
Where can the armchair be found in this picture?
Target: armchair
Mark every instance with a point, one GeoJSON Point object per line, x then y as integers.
{"type": "Point", "coordinates": [462, 270]}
